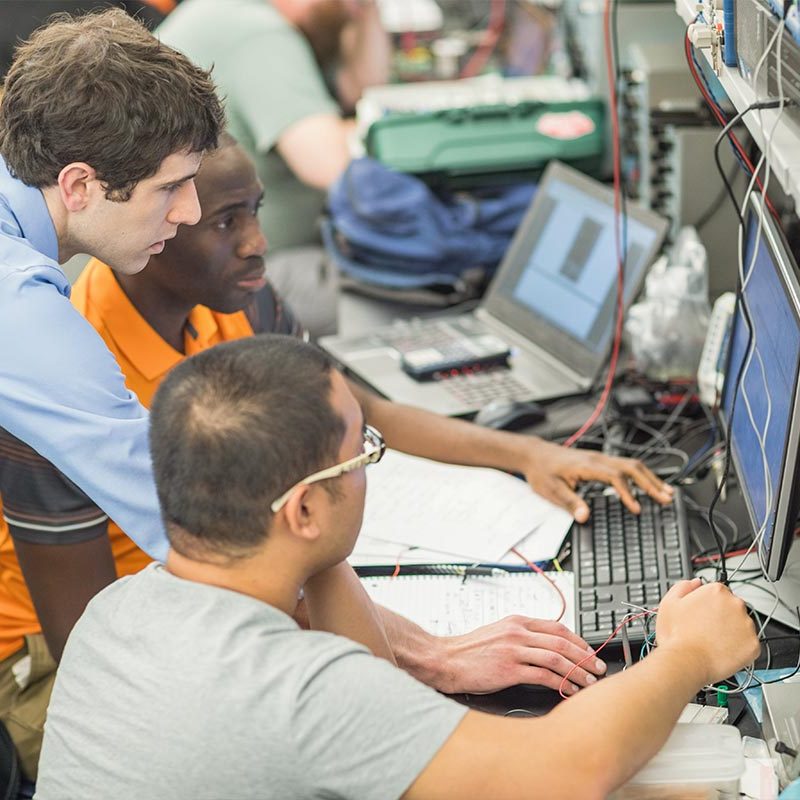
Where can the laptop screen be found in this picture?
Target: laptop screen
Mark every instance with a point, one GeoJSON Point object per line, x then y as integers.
{"type": "Point", "coordinates": [572, 269]}
{"type": "Point", "coordinates": [557, 284]}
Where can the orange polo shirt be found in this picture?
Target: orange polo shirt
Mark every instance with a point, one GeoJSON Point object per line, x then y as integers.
{"type": "Point", "coordinates": [145, 359]}
{"type": "Point", "coordinates": [143, 356]}
{"type": "Point", "coordinates": [164, 6]}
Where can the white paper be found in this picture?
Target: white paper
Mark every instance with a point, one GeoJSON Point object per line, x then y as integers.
{"type": "Point", "coordinates": [472, 513]}
{"type": "Point", "coordinates": [446, 605]}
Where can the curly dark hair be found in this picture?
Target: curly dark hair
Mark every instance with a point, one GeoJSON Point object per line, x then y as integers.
{"type": "Point", "coordinates": [101, 89]}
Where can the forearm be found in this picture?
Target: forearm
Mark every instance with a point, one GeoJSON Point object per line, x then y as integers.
{"type": "Point", "coordinates": [586, 747]}
{"type": "Point", "coordinates": [365, 55]}
{"type": "Point", "coordinates": [622, 722]}
{"type": "Point", "coordinates": [415, 650]}
{"type": "Point", "coordinates": [61, 580]}
{"type": "Point", "coordinates": [336, 602]}
{"type": "Point", "coordinates": [454, 441]}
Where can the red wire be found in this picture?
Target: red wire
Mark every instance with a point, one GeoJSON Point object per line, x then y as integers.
{"type": "Point", "coordinates": [612, 102]}
{"type": "Point", "coordinates": [731, 554]}
{"type": "Point", "coordinates": [541, 572]}
{"type": "Point", "coordinates": [628, 619]}
{"type": "Point", "coordinates": [491, 36]}
{"type": "Point", "coordinates": [612, 90]}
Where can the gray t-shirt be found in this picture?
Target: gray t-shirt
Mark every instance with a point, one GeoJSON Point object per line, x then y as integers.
{"type": "Point", "coordinates": [266, 71]}
{"type": "Point", "coordinates": [175, 689]}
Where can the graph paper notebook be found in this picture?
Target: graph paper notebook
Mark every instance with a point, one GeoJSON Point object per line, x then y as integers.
{"type": "Point", "coordinates": [447, 605]}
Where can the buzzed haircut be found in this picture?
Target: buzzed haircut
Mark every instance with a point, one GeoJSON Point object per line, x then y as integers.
{"type": "Point", "coordinates": [101, 89]}
{"type": "Point", "coordinates": [231, 429]}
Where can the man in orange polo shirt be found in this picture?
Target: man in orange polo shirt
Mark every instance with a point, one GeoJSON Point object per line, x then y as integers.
{"type": "Point", "coordinates": [152, 321]}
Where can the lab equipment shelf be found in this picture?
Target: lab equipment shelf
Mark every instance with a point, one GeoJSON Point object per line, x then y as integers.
{"type": "Point", "coordinates": [784, 141]}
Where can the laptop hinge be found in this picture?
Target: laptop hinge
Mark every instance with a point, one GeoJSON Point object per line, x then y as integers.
{"type": "Point", "coordinates": [516, 339]}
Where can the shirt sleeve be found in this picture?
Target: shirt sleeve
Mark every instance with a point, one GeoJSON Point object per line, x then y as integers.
{"type": "Point", "coordinates": [40, 504]}
{"type": "Point", "coordinates": [63, 394]}
{"type": "Point", "coordinates": [269, 313]}
{"type": "Point", "coordinates": [272, 81]}
{"type": "Point", "coordinates": [364, 728]}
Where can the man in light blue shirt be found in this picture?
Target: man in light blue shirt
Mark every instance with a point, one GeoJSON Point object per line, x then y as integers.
{"type": "Point", "coordinates": [102, 130]}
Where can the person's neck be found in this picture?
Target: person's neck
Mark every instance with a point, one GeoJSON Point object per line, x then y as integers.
{"type": "Point", "coordinates": [166, 313]}
{"type": "Point", "coordinates": [249, 576]}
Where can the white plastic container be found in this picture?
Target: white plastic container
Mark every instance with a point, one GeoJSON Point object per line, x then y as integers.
{"type": "Point", "coordinates": [697, 762]}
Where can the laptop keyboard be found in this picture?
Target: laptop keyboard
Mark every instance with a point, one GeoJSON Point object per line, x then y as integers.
{"type": "Point", "coordinates": [479, 388]}
{"type": "Point", "coordinates": [624, 557]}
{"type": "Point", "coordinates": [474, 388]}
{"type": "Point", "coordinates": [409, 338]}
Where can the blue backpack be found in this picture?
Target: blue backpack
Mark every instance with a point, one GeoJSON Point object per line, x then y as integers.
{"type": "Point", "coordinates": [392, 234]}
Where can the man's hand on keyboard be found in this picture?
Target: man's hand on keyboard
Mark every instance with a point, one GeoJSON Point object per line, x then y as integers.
{"type": "Point", "coordinates": [516, 650]}
{"type": "Point", "coordinates": [555, 472]}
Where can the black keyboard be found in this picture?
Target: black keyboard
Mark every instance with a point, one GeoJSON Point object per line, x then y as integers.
{"type": "Point", "coordinates": [623, 557]}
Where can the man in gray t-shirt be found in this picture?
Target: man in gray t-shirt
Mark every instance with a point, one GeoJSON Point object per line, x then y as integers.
{"type": "Point", "coordinates": [191, 681]}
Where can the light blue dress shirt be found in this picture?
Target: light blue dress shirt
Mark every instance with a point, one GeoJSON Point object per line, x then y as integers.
{"type": "Point", "coordinates": [61, 390]}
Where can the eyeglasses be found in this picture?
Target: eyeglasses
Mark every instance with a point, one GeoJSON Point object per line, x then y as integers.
{"type": "Point", "coordinates": [374, 448]}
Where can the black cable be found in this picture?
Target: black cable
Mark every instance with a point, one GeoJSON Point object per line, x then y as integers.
{"type": "Point", "coordinates": [740, 303]}
{"type": "Point", "coordinates": [724, 133]}
{"type": "Point", "coordinates": [715, 205]}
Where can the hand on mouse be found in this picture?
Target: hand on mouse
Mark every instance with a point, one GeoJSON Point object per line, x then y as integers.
{"type": "Point", "coordinates": [555, 472]}
{"type": "Point", "coordinates": [512, 651]}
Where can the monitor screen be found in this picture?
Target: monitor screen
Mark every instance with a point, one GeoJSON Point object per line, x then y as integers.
{"type": "Point", "coordinates": [763, 433]}
{"type": "Point", "coordinates": [570, 277]}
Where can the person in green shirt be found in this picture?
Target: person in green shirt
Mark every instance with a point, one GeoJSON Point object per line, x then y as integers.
{"type": "Point", "coordinates": [270, 60]}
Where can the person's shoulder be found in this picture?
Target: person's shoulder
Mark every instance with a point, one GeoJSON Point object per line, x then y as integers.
{"type": "Point", "coordinates": [22, 264]}
{"type": "Point", "coordinates": [106, 611]}
{"type": "Point", "coordinates": [193, 21]}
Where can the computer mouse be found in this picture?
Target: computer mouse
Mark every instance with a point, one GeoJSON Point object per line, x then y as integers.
{"type": "Point", "coordinates": [510, 415]}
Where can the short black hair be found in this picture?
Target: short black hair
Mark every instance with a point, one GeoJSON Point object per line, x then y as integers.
{"type": "Point", "coordinates": [231, 429]}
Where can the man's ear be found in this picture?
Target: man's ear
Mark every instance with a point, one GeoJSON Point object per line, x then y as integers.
{"type": "Point", "coordinates": [302, 512]}
{"type": "Point", "coordinates": [76, 182]}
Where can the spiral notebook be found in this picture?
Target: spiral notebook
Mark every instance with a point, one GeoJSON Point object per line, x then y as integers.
{"type": "Point", "coordinates": [448, 605]}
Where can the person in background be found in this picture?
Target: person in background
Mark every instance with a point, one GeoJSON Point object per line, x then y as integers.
{"type": "Point", "coordinates": [271, 61]}
{"type": "Point", "coordinates": [191, 680]}
{"type": "Point", "coordinates": [208, 287]}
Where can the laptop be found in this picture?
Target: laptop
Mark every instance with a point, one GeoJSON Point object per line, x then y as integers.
{"type": "Point", "coordinates": [547, 317]}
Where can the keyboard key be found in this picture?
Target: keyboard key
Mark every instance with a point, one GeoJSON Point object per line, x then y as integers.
{"type": "Point", "coordinates": [621, 556]}
{"type": "Point", "coordinates": [588, 601]}
{"type": "Point", "coordinates": [603, 576]}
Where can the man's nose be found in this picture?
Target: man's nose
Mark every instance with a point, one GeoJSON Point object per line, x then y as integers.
{"type": "Point", "coordinates": [186, 209]}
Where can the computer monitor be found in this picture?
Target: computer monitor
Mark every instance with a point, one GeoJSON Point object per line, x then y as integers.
{"type": "Point", "coordinates": [764, 432]}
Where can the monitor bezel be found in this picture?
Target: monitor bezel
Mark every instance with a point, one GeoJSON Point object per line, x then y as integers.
{"type": "Point", "coordinates": [788, 490]}
{"type": "Point", "coordinates": [502, 305]}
